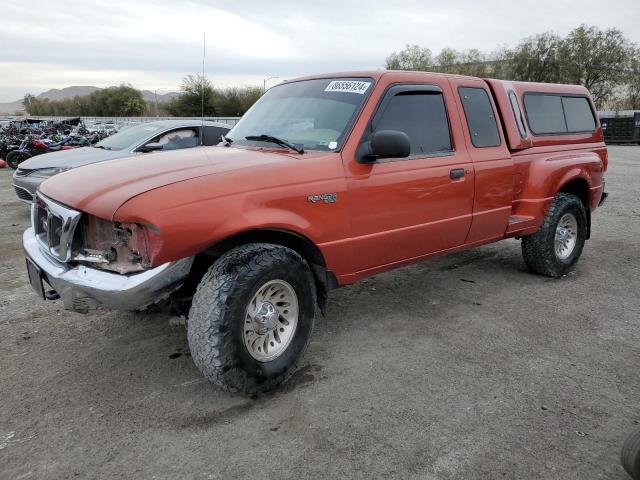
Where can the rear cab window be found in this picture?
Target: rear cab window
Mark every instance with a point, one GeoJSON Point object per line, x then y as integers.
{"type": "Point", "coordinates": [481, 119]}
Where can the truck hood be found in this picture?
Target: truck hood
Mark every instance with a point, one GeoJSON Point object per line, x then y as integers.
{"type": "Point", "coordinates": [101, 188]}
{"type": "Point", "coordinates": [72, 158]}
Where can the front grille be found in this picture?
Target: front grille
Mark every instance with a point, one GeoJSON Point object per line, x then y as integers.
{"type": "Point", "coordinates": [23, 193]}
{"type": "Point", "coordinates": [54, 226]}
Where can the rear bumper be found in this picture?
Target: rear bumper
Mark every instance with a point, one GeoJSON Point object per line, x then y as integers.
{"type": "Point", "coordinates": [82, 288]}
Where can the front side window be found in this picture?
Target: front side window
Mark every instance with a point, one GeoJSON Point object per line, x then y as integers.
{"type": "Point", "coordinates": [480, 117]}
{"type": "Point", "coordinates": [128, 138]}
{"type": "Point", "coordinates": [421, 115]}
{"type": "Point", "coordinates": [312, 114]}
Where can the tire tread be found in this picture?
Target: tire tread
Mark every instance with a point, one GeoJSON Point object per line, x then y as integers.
{"type": "Point", "coordinates": [537, 249]}
{"type": "Point", "coordinates": [210, 331]}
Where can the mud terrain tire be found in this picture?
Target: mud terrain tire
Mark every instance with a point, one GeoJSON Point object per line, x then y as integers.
{"type": "Point", "coordinates": [540, 250]}
{"type": "Point", "coordinates": [216, 328]}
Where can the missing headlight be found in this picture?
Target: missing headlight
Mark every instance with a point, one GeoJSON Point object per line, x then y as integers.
{"type": "Point", "coordinates": [118, 247]}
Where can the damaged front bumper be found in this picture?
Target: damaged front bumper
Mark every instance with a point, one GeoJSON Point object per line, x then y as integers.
{"type": "Point", "coordinates": [83, 288]}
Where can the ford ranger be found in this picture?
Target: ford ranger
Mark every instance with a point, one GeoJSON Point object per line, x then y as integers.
{"type": "Point", "coordinates": [326, 180]}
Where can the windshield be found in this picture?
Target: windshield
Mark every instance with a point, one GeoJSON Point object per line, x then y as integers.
{"type": "Point", "coordinates": [310, 114]}
{"type": "Point", "coordinates": [128, 138]}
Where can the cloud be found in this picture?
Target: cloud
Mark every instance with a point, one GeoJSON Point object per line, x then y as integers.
{"type": "Point", "coordinates": [155, 44]}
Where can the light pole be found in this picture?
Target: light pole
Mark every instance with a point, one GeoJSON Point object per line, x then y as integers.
{"type": "Point", "coordinates": [155, 94]}
{"type": "Point", "coordinates": [264, 83]}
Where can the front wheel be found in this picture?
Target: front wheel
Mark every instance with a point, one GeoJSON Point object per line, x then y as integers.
{"type": "Point", "coordinates": [251, 317]}
{"type": "Point", "coordinates": [15, 158]}
{"type": "Point", "coordinates": [558, 244]}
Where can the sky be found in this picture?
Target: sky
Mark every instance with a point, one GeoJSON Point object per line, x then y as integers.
{"type": "Point", "coordinates": [154, 44]}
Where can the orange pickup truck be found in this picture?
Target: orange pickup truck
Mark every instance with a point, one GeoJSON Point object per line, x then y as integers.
{"type": "Point", "coordinates": [326, 180]}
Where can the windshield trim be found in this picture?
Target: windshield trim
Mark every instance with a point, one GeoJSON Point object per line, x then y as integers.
{"type": "Point", "coordinates": [352, 121]}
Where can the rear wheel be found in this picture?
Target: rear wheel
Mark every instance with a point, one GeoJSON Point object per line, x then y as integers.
{"type": "Point", "coordinates": [558, 244]}
{"type": "Point", "coordinates": [15, 158]}
{"type": "Point", "coordinates": [251, 317]}
{"type": "Point", "coordinates": [630, 456]}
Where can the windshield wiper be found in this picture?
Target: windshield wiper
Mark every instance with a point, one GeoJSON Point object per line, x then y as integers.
{"type": "Point", "coordinates": [276, 140]}
{"type": "Point", "coordinates": [102, 146]}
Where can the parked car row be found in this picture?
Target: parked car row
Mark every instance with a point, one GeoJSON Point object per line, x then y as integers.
{"type": "Point", "coordinates": [163, 135]}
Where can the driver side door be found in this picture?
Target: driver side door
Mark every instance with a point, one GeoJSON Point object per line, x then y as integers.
{"type": "Point", "coordinates": [404, 208]}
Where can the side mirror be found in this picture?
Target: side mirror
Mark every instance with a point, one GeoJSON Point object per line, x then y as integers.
{"type": "Point", "coordinates": [151, 147]}
{"type": "Point", "coordinates": [385, 144]}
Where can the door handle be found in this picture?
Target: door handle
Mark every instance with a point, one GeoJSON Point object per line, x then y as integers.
{"type": "Point", "coordinates": [456, 173]}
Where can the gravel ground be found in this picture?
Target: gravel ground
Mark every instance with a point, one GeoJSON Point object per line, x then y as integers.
{"type": "Point", "coordinates": [457, 368]}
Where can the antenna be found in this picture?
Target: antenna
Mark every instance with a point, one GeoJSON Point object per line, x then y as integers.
{"type": "Point", "coordinates": [204, 53]}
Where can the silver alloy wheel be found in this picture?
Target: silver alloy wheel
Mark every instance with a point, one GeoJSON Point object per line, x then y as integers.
{"type": "Point", "coordinates": [566, 236]}
{"type": "Point", "coordinates": [270, 320]}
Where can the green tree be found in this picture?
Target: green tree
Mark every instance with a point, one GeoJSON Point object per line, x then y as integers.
{"type": "Point", "coordinates": [229, 102]}
{"type": "Point", "coordinates": [413, 57]}
{"type": "Point", "coordinates": [189, 102]}
{"type": "Point", "coordinates": [594, 58]}
{"type": "Point", "coordinates": [536, 59]}
{"type": "Point", "coordinates": [447, 60]}
{"type": "Point", "coordinates": [122, 101]}
{"type": "Point", "coordinates": [235, 101]}
{"type": "Point", "coordinates": [633, 82]}
{"type": "Point", "coordinates": [27, 102]}
{"type": "Point", "coordinates": [604, 61]}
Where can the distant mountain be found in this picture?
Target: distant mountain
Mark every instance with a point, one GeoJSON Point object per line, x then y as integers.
{"type": "Point", "coordinates": [10, 108]}
{"type": "Point", "coordinates": [150, 96]}
{"type": "Point", "coordinates": [67, 92]}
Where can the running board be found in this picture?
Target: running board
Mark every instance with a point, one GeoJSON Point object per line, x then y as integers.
{"type": "Point", "coordinates": [518, 223]}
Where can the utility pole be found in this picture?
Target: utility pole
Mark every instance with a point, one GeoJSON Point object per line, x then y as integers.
{"type": "Point", "coordinates": [264, 83]}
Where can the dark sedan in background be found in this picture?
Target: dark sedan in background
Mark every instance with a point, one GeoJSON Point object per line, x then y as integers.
{"type": "Point", "coordinates": [146, 137]}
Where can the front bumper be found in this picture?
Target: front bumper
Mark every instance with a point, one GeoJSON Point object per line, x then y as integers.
{"type": "Point", "coordinates": [83, 288]}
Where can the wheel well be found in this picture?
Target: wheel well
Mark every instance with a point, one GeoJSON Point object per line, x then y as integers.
{"type": "Point", "coordinates": [294, 241]}
{"type": "Point", "coordinates": [325, 280]}
{"type": "Point", "coordinates": [580, 188]}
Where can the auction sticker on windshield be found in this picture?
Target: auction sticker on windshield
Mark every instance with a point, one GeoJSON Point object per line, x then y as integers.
{"type": "Point", "coordinates": [349, 86]}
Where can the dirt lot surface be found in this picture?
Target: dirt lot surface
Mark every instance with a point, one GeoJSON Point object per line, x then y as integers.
{"type": "Point", "coordinates": [462, 367]}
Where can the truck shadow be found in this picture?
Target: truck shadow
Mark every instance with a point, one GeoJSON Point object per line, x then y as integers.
{"type": "Point", "coordinates": [153, 351]}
